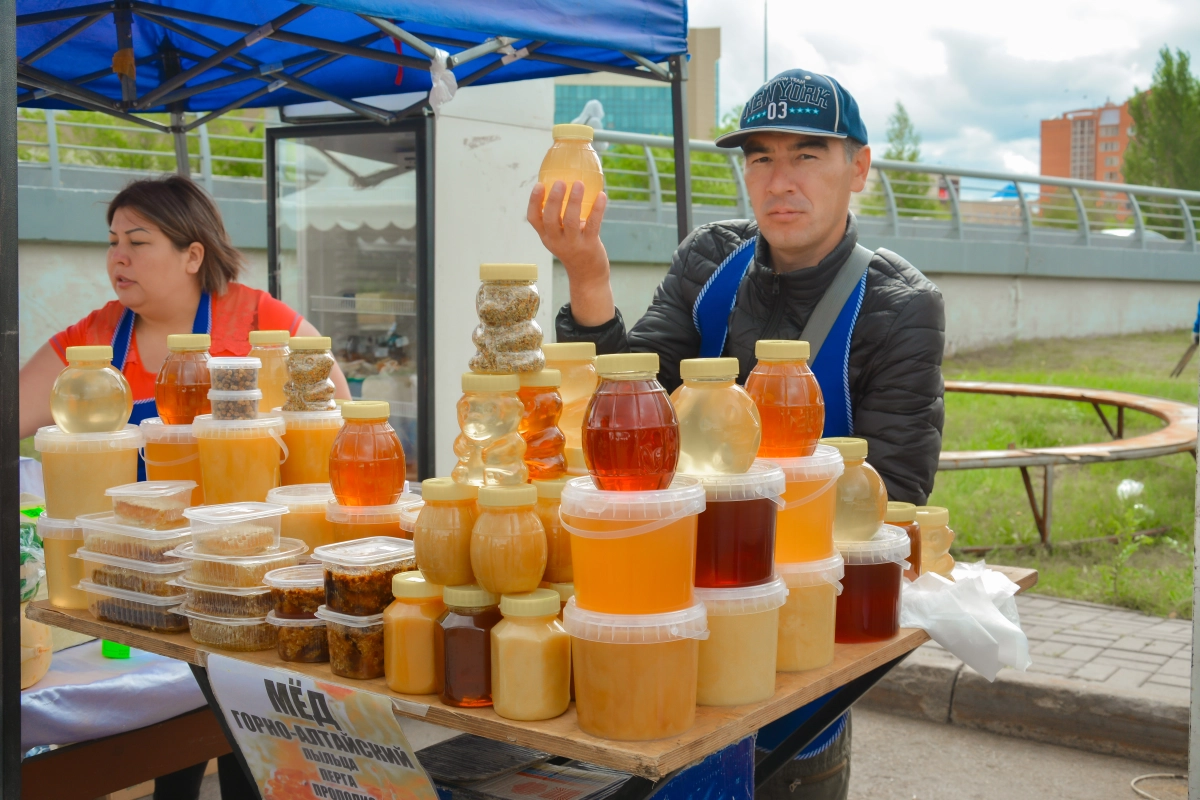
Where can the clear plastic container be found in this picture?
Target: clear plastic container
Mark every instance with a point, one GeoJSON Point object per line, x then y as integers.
{"type": "Point", "coordinates": [576, 361]}
{"type": "Point", "coordinates": [935, 540]}
{"type": "Point", "coordinates": [463, 640]}
{"type": "Point", "coordinates": [235, 529]}
{"type": "Point", "coordinates": [172, 454]}
{"type": "Point", "coordinates": [157, 505]}
{"type": "Point", "coordinates": [408, 519]}
{"type": "Point", "coordinates": [239, 459]}
{"type": "Point", "coordinates": [131, 575]}
{"type": "Point", "coordinates": [531, 658]}
{"type": "Point", "coordinates": [355, 644]}
{"type": "Point", "coordinates": [804, 525]}
{"type": "Point", "coordinates": [234, 405]}
{"type": "Point", "coordinates": [633, 552]}
{"type": "Point", "coordinates": [507, 338]}
{"type": "Point", "coordinates": [635, 675]}
{"type": "Point", "coordinates": [358, 574]}
{"type": "Point", "coordinates": [296, 592]}
{"type": "Point", "coordinates": [78, 468]}
{"type": "Point", "coordinates": [807, 619]}
{"type": "Point", "coordinates": [366, 462]}
{"type": "Point", "coordinates": [442, 536]}
{"type": "Point", "coordinates": [247, 602]}
{"type": "Point", "coordinates": [61, 539]}
{"type": "Point", "coordinates": [146, 611]}
{"type": "Point", "coordinates": [271, 348]}
{"type": "Point", "coordinates": [309, 437]}
{"type": "Point", "coordinates": [361, 522]}
{"type": "Point", "coordinates": [310, 363]}
{"type": "Point", "coordinates": [861, 495]}
{"type": "Point", "coordinates": [181, 388]}
{"type": "Point", "coordinates": [237, 634]}
{"type": "Point", "coordinates": [489, 448]}
{"type": "Point", "coordinates": [719, 429]}
{"type": "Point", "coordinates": [735, 534]}
{"type": "Point", "coordinates": [410, 660]}
{"type": "Point", "coordinates": [544, 440]}
{"type": "Point", "coordinates": [737, 660]}
{"type": "Point", "coordinates": [570, 159]}
{"type": "Point", "coordinates": [508, 543]}
{"type": "Point", "coordinates": [868, 609]}
{"type": "Point", "coordinates": [790, 404]}
{"type": "Point", "coordinates": [239, 571]}
{"type": "Point", "coordinates": [306, 504]}
{"type": "Point", "coordinates": [104, 533]}
{"type": "Point", "coordinates": [90, 395]}
{"type": "Point", "coordinates": [234, 374]}
{"type": "Point", "coordinates": [631, 432]}
{"type": "Point", "coordinates": [904, 516]}
{"type": "Point", "coordinates": [559, 567]}
{"type": "Point", "coordinates": [303, 641]}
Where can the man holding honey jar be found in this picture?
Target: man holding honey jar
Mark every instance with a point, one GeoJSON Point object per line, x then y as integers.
{"type": "Point", "coordinates": [874, 323]}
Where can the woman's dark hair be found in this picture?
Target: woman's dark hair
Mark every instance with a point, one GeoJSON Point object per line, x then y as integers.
{"type": "Point", "coordinates": [185, 213]}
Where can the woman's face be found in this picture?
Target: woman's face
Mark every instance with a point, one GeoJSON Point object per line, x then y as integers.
{"type": "Point", "coordinates": [144, 266]}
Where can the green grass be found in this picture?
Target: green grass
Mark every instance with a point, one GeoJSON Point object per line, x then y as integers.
{"type": "Point", "coordinates": [991, 507]}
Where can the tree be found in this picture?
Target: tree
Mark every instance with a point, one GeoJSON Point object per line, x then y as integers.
{"type": "Point", "coordinates": [910, 189]}
{"type": "Point", "coordinates": [1165, 150]}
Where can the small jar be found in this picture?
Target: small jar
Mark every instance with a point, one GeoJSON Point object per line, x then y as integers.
{"type": "Point", "coordinates": [233, 374]}
{"type": "Point", "coordinates": [572, 159]}
{"type": "Point", "coordinates": [508, 543]}
{"type": "Point", "coordinates": [366, 462]}
{"type": "Point", "coordinates": [531, 658]}
{"type": "Point", "coordinates": [868, 609]}
{"type": "Point", "coordinates": [410, 660]}
{"type": "Point", "coordinates": [90, 395]}
{"type": "Point", "coordinates": [464, 645]}
{"type": "Point", "coordinates": [558, 541]}
{"type": "Point", "coordinates": [489, 447]}
{"type": "Point", "coordinates": [904, 517]}
{"type": "Point", "coordinates": [296, 592]}
{"type": "Point", "coordinates": [310, 363]}
{"type": "Point", "coordinates": [355, 644]}
{"type": "Point", "coordinates": [936, 538]}
{"type": "Point", "coordinates": [507, 338]}
{"type": "Point", "coordinates": [861, 495]}
{"type": "Point", "coordinates": [181, 389]}
{"type": "Point", "coordinates": [271, 348]}
{"type": "Point", "coordinates": [442, 536]}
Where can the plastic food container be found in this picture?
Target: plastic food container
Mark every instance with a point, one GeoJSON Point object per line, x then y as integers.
{"type": "Point", "coordinates": [735, 534]}
{"type": "Point", "coordinates": [305, 519]}
{"type": "Point", "coordinates": [411, 660]}
{"type": "Point", "coordinates": [230, 633]}
{"type": "Point", "coordinates": [635, 676]}
{"type": "Point", "coordinates": [804, 525]}
{"type": "Point", "coordinates": [239, 571]}
{"type": "Point", "coordinates": [134, 609]}
{"type": "Point", "coordinates": [309, 438]}
{"type": "Point", "coordinates": [737, 660]}
{"type": "Point", "coordinates": [61, 538]}
{"type": "Point", "coordinates": [239, 459]}
{"type": "Point", "coordinates": [806, 621]}
{"type": "Point", "coordinates": [172, 454]}
{"type": "Point", "coordinates": [234, 405]}
{"type": "Point", "coordinates": [224, 602]}
{"type": "Point", "coordinates": [234, 374]}
{"type": "Point", "coordinates": [358, 574]}
{"type": "Point", "coordinates": [361, 522]}
{"type": "Point", "coordinates": [78, 468]}
{"type": "Point", "coordinates": [408, 519]}
{"type": "Point", "coordinates": [868, 609]}
{"type": "Point", "coordinates": [355, 644]}
{"type": "Point", "coordinates": [143, 577]}
{"type": "Point", "coordinates": [296, 591]}
{"type": "Point", "coordinates": [235, 529]}
{"type": "Point", "coordinates": [157, 505]}
{"type": "Point", "coordinates": [633, 552]}
{"type": "Point", "coordinates": [104, 533]}
{"type": "Point", "coordinates": [531, 658]}
{"type": "Point", "coordinates": [303, 641]}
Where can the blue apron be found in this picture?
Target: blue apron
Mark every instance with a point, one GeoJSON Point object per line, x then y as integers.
{"type": "Point", "coordinates": [710, 315]}
{"type": "Point", "coordinates": [123, 341]}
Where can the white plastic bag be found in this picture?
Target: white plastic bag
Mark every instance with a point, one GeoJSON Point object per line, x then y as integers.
{"type": "Point", "coordinates": [974, 617]}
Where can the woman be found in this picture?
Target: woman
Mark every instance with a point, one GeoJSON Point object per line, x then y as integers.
{"type": "Point", "coordinates": [174, 270]}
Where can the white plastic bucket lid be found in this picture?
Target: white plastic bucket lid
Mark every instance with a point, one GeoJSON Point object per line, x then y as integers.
{"type": "Point", "coordinates": [205, 427]}
{"type": "Point", "coordinates": [302, 497]}
{"type": "Point", "coordinates": [647, 511]}
{"type": "Point", "coordinates": [690, 623]}
{"type": "Point", "coordinates": [824, 464]}
{"type": "Point", "coordinates": [51, 528]}
{"type": "Point", "coordinates": [735, 601]}
{"type": "Point", "coordinates": [813, 573]}
{"type": "Point", "coordinates": [156, 431]}
{"type": "Point", "coordinates": [889, 545]}
{"type": "Point", "coordinates": [52, 439]}
{"type": "Point", "coordinates": [303, 420]}
{"type": "Point", "coordinates": [764, 480]}
{"type": "Point", "coordinates": [368, 552]}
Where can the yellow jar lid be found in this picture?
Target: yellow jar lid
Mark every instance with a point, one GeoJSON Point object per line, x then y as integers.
{"type": "Point", "coordinates": [414, 586]}
{"type": "Point", "coordinates": [616, 363]}
{"type": "Point", "coordinates": [851, 449]}
{"type": "Point", "coordinates": [271, 337]}
{"type": "Point", "coordinates": [572, 130]}
{"type": "Point", "coordinates": [189, 341]}
{"type": "Point", "coordinates": [310, 343]}
{"type": "Point", "coordinates": [508, 272]}
{"type": "Point", "coordinates": [569, 351]}
{"type": "Point", "coordinates": [507, 496]}
{"type": "Point", "coordinates": [469, 596]}
{"type": "Point", "coordinates": [477, 382]}
{"type": "Point", "coordinates": [780, 350]}
{"type": "Point", "coordinates": [550, 490]}
{"type": "Point", "coordinates": [565, 590]}
{"type": "Point", "coordinates": [538, 603]}
{"type": "Point", "coordinates": [366, 409]}
{"type": "Point", "coordinates": [900, 512]}
{"type": "Point", "coordinates": [95, 352]}
{"type": "Point", "coordinates": [447, 490]}
{"type": "Point", "coordinates": [933, 516]}
{"type": "Point", "coordinates": [550, 378]}
{"type": "Point", "coordinates": [709, 368]}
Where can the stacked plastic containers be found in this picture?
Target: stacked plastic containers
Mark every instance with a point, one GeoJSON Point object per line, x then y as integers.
{"type": "Point", "coordinates": [271, 348]}
{"type": "Point", "coordinates": [367, 474]}
{"type": "Point", "coordinates": [296, 594]}
{"type": "Point", "coordinates": [180, 395]}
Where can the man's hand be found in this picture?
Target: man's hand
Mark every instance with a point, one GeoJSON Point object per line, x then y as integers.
{"type": "Point", "coordinates": [576, 243]}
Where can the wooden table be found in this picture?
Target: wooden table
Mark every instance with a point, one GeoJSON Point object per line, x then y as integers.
{"type": "Point", "coordinates": [715, 728]}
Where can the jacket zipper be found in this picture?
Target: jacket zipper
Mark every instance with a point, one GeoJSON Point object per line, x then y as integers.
{"type": "Point", "coordinates": [776, 310]}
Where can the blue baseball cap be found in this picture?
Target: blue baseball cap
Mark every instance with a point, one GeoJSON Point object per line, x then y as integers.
{"type": "Point", "coordinates": [799, 101]}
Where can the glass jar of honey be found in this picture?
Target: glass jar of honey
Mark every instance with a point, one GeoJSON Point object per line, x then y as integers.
{"type": "Point", "coordinates": [181, 389]}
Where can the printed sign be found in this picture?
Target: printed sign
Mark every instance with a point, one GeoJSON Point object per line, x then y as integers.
{"type": "Point", "coordinates": [304, 738]}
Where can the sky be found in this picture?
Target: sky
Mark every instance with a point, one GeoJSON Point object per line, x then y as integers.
{"type": "Point", "coordinates": [976, 77]}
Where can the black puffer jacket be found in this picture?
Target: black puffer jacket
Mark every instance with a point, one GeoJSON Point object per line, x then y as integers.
{"type": "Point", "coordinates": [895, 352]}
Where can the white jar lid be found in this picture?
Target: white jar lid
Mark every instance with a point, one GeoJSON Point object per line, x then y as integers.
{"type": "Point", "coordinates": [889, 545]}
{"type": "Point", "coordinates": [764, 480]}
{"type": "Point", "coordinates": [824, 464]}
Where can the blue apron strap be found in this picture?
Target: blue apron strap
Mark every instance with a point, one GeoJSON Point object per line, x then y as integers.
{"type": "Point", "coordinates": [203, 321]}
{"type": "Point", "coordinates": [123, 339]}
{"type": "Point", "coordinates": [832, 366]}
{"type": "Point", "coordinates": [715, 302]}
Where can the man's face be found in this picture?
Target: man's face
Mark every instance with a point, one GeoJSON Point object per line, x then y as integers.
{"type": "Point", "coordinates": [800, 186]}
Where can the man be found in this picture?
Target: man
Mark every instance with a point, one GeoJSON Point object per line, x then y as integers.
{"type": "Point", "coordinates": [879, 322]}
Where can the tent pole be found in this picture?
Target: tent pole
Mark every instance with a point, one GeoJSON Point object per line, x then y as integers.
{"type": "Point", "coordinates": [183, 165]}
{"type": "Point", "coordinates": [683, 156]}
{"type": "Point", "coordinates": [1194, 739]}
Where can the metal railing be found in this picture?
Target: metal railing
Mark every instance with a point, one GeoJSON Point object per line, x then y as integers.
{"type": "Point", "coordinates": [912, 199]}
